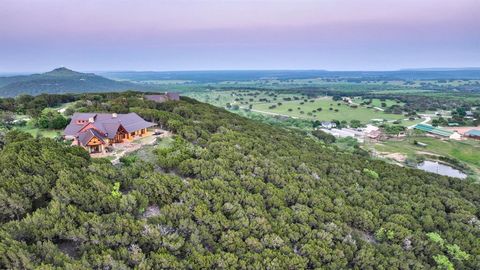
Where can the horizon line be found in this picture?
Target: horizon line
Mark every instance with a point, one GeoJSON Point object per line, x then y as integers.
{"type": "Point", "coordinates": [240, 70]}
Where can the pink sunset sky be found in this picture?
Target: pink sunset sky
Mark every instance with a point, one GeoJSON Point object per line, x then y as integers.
{"type": "Point", "coordinates": [87, 35]}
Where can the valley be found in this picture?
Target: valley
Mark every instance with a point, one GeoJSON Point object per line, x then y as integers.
{"type": "Point", "coordinates": [231, 157]}
{"type": "Point", "coordinates": [249, 135]}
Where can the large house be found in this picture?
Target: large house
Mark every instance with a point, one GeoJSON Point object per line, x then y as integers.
{"type": "Point", "coordinates": [95, 131]}
{"type": "Point", "coordinates": [165, 97]}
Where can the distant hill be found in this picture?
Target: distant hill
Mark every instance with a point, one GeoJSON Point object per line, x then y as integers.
{"type": "Point", "coordinates": [61, 80]}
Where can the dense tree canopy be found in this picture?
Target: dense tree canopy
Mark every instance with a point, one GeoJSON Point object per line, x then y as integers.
{"type": "Point", "coordinates": [228, 193]}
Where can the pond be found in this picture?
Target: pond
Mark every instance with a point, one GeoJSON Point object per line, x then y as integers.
{"type": "Point", "coordinates": [442, 169]}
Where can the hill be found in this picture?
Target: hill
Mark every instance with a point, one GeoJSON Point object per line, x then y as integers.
{"type": "Point", "coordinates": [60, 80]}
{"type": "Point", "coordinates": [226, 193]}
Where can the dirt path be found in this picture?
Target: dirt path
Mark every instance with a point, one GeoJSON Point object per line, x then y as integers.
{"type": "Point", "coordinates": [270, 113]}
{"type": "Point", "coordinates": [399, 157]}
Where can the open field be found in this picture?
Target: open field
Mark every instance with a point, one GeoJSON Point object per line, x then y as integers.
{"type": "Point", "coordinates": [267, 102]}
{"type": "Point", "coordinates": [467, 151]}
{"type": "Point", "coordinates": [329, 110]}
{"type": "Point", "coordinates": [240, 97]}
{"type": "Point", "coordinates": [377, 102]}
{"type": "Point", "coordinates": [47, 133]}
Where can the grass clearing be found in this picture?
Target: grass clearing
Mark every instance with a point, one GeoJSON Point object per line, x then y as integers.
{"type": "Point", "coordinates": [267, 102]}
{"type": "Point", "coordinates": [309, 110]}
{"type": "Point", "coordinates": [35, 132]}
{"type": "Point", "coordinates": [467, 151]}
{"type": "Point", "coordinates": [377, 102]}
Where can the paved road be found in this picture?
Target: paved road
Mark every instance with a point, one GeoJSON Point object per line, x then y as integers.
{"type": "Point", "coordinates": [426, 120]}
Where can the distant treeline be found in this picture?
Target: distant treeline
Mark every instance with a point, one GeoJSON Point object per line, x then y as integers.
{"type": "Point", "coordinates": [248, 75]}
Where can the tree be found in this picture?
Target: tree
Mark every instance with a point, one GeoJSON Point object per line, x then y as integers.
{"type": "Point", "coordinates": [323, 136]}
{"type": "Point", "coordinates": [443, 262]}
{"type": "Point", "coordinates": [355, 124]}
{"type": "Point", "coordinates": [225, 192]}
{"type": "Point", "coordinates": [458, 254]}
{"type": "Point", "coordinates": [394, 130]}
{"type": "Point", "coordinates": [6, 119]}
{"type": "Point", "coordinates": [51, 119]}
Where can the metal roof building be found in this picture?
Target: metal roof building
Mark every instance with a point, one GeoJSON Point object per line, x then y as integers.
{"type": "Point", "coordinates": [434, 130]}
{"type": "Point", "coordinates": [474, 133]}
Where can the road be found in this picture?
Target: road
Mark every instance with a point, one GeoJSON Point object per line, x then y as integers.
{"type": "Point", "coordinates": [270, 113]}
{"type": "Point", "coordinates": [425, 121]}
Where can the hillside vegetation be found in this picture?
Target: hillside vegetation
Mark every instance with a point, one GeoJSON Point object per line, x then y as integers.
{"type": "Point", "coordinates": [227, 193]}
{"type": "Point", "coordinates": [60, 80]}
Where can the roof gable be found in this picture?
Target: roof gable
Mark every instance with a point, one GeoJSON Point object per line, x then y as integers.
{"type": "Point", "coordinates": [85, 137]}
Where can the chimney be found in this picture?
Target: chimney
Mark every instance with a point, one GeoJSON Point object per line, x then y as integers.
{"type": "Point", "coordinates": [114, 115]}
{"type": "Point", "coordinates": [91, 120]}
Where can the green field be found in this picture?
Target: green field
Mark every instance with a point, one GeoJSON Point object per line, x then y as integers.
{"type": "Point", "coordinates": [467, 151]}
{"type": "Point", "coordinates": [240, 97]}
{"type": "Point", "coordinates": [262, 102]}
{"type": "Point", "coordinates": [377, 102]}
{"type": "Point", "coordinates": [309, 110]}
{"type": "Point", "coordinates": [47, 133]}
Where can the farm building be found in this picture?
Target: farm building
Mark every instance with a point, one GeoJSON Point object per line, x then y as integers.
{"type": "Point", "coordinates": [328, 125]}
{"type": "Point", "coordinates": [474, 134]}
{"type": "Point", "coordinates": [95, 131]}
{"type": "Point", "coordinates": [372, 132]}
{"type": "Point", "coordinates": [163, 98]}
{"type": "Point", "coordinates": [438, 131]}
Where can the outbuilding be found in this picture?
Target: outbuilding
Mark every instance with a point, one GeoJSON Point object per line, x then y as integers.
{"type": "Point", "coordinates": [473, 133]}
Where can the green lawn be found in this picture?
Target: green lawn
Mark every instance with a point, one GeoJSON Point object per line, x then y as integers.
{"type": "Point", "coordinates": [345, 112]}
{"type": "Point", "coordinates": [47, 133]}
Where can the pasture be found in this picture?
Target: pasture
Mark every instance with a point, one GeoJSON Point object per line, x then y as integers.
{"type": "Point", "coordinates": [467, 151]}
{"type": "Point", "coordinates": [325, 109]}
{"type": "Point", "coordinates": [300, 106]}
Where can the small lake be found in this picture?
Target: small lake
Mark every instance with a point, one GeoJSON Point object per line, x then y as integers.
{"type": "Point", "coordinates": [439, 168]}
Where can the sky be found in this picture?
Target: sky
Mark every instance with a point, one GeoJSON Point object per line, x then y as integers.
{"type": "Point", "coordinates": [163, 35]}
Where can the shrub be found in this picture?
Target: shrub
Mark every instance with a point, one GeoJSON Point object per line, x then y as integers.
{"type": "Point", "coordinates": [370, 173]}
